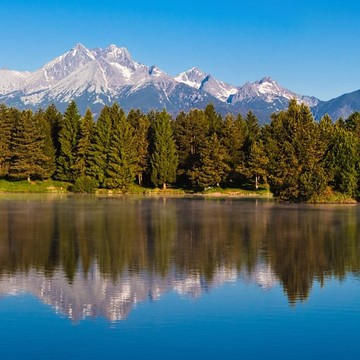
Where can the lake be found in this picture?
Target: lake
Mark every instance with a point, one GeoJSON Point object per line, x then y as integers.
{"type": "Point", "coordinates": [85, 277]}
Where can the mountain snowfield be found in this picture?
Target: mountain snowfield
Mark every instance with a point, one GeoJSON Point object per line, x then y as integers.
{"type": "Point", "coordinates": [98, 77]}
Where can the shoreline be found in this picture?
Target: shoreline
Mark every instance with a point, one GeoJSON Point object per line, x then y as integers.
{"type": "Point", "coordinates": [51, 187]}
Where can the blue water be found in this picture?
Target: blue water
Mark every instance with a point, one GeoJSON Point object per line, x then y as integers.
{"type": "Point", "coordinates": [231, 318]}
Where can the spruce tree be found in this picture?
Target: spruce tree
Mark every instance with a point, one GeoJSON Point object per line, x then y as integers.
{"type": "Point", "coordinates": [190, 131]}
{"type": "Point", "coordinates": [54, 117]}
{"type": "Point", "coordinates": [83, 152]}
{"type": "Point", "coordinates": [141, 124]}
{"type": "Point", "coordinates": [123, 154]}
{"type": "Point", "coordinates": [234, 135]}
{"type": "Point", "coordinates": [27, 145]}
{"type": "Point", "coordinates": [295, 154]}
{"type": "Point", "coordinates": [6, 125]}
{"type": "Point", "coordinates": [213, 119]}
{"type": "Point", "coordinates": [48, 145]}
{"type": "Point", "coordinates": [213, 167]}
{"type": "Point", "coordinates": [68, 140]}
{"type": "Point", "coordinates": [164, 159]}
{"type": "Point", "coordinates": [101, 141]}
{"type": "Point", "coordinates": [254, 157]}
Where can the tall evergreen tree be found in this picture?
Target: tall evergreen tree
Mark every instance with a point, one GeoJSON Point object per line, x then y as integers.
{"type": "Point", "coordinates": [27, 145]}
{"type": "Point", "coordinates": [214, 120]}
{"type": "Point", "coordinates": [295, 153]}
{"type": "Point", "coordinates": [82, 163]}
{"type": "Point", "coordinates": [123, 154]}
{"type": "Point", "coordinates": [163, 159]}
{"type": "Point", "coordinates": [190, 131]}
{"type": "Point", "coordinates": [6, 125]}
{"type": "Point", "coordinates": [234, 135]}
{"type": "Point", "coordinates": [48, 146]}
{"type": "Point", "coordinates": [213, 167]}
{"type": "Point", "coordinates": [68, 140]}
{"type": "Point", "coordinates": [254, 162]}
{"type": "Point", "coordinates": [101, 141]}
{"type": "Point", "coordinates": [54, 117]}
{"type": "Point", "coordinates": [141, 124]}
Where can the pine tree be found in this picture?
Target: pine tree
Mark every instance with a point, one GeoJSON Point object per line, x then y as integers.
{"type": "Point", "coordinates": [164, 160]}
{"type": "Point", "coordinates": [83, 152]}
{"type": "Point", "coordinates": [213, 167]}
{"type": "Point", "coordinates": [254, 162]}
{"type": "Point", "coordinates": [101, 141]}
{"type": "Point", "coordinates": [68, 140]}
{"type": "Point", "coordinates": [6, 125]}
{"type": "Point", "coordinates": [141, 124]}
{"type": "Point", "coordinates": [27, 145]}
{"type": "Point", "coordinates": [190, 131]}
{"type": "Point", "coordinates": [295, 151]}
{"type": "Point", "coordinates": [123, 154]}
{"type": "Point", "coordinates": [234, 135]}
{"type": "Point", "coordinates": [213, 119]}
{"type": "Point", "coordinates": [54, 117]}
{"type": "Point", "coordinates": [48, 145]}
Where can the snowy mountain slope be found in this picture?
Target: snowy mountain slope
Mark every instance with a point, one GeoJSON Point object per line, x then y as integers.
{"type": "Point", "coordinates": [205, 82]}
{"type": "Point", "coordinates": [101, 76]}
{"type": "Point", "coordinates": [269, 91]}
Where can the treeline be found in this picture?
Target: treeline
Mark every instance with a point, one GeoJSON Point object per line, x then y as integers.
{"type": "Point", "coordinates": [298, 157]}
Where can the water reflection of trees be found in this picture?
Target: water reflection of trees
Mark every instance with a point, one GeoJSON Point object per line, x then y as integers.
{"type": "Point", "coordinates": [301, 244]}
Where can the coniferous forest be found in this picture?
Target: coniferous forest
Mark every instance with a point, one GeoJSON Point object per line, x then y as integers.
{"type": "Point", "coordinates": [298, 158]}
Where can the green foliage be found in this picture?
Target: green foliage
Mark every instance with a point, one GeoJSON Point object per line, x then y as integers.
{"type": "Point", "coordinates": [48, 145]}
{"type": "Point", "coordinates": [84, 184]}
{"type": "Point", "coordinates": [163, 159]}
{"type": "Point", "coordinates": [100, 146]}
{"type": "Point", "coordinates": [301, 160]}
{"type": "Point", "coordinates": [141, 124]}
{"type": "Point", "coordinates": [6, 125]}
{"type": "Point", "coordinates": [68, 140]}
{"type": "Point", "coordinates": [342, 159]}
{"type": "Point", "coordinates": [28, 159]}
{"type": "Point", "coordinates": [123, 154]}
{"type": "Point", "coordinates": [84, 146]}
{"type": "Point", "coordinates": [213, 167]}
{"type": "Point", "coordinates": [190, 131]}
{"type": "Point", "coordinates": [293, 143]}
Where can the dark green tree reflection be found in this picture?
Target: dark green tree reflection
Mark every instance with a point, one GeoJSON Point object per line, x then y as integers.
{"type": "Point", "coordinates": [168, 237]}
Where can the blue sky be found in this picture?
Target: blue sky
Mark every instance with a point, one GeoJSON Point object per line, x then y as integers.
{"type": "Point", "coordinates": [311, 47]}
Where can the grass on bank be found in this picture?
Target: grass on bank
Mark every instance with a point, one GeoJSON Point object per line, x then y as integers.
{"type": "Point", "coordinates": [51, 186]}
{"type": "Point", "coordinates": [332, 197]}
{"type": "Point", "coordinates": [24, 186]}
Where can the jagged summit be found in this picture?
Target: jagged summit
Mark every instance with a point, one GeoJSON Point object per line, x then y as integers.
{"type": "Point", "coordinates": [94, 77]}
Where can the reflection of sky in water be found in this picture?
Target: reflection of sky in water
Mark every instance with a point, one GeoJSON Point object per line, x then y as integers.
{"type": "Point", "coordinates": [237, 320]}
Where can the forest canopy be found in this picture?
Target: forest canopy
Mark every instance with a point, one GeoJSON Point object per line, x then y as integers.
{"type": "Point", "coordinates": [298, 158]}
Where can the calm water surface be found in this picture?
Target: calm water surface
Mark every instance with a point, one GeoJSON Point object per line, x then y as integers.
{"type": "Point", "coordinates": [165, 278]}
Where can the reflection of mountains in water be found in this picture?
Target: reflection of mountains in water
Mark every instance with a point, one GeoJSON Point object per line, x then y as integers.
{"type": "Point", "coordinates": [93, 295]}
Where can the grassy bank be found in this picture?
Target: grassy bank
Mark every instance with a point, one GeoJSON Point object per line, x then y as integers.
{"type": "Point", "coordinates": [46, 186]}
{"type": "Point", "coordinates": [51, 186]}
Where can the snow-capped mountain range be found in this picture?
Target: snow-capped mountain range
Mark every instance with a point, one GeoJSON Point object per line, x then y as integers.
{"type": "Point", "coordinates": [97, 77]}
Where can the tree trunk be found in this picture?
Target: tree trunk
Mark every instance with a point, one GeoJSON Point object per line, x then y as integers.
{"type": "Point", "coordinates": [28, 178]}
{"type": "Point", "coordinates": [256, 181]}
{"type": "Point", "coordinates": [164, 186]}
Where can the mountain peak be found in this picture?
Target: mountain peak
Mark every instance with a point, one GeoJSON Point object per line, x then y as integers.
{"type": "Point", "coordinates": [267, 79]}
